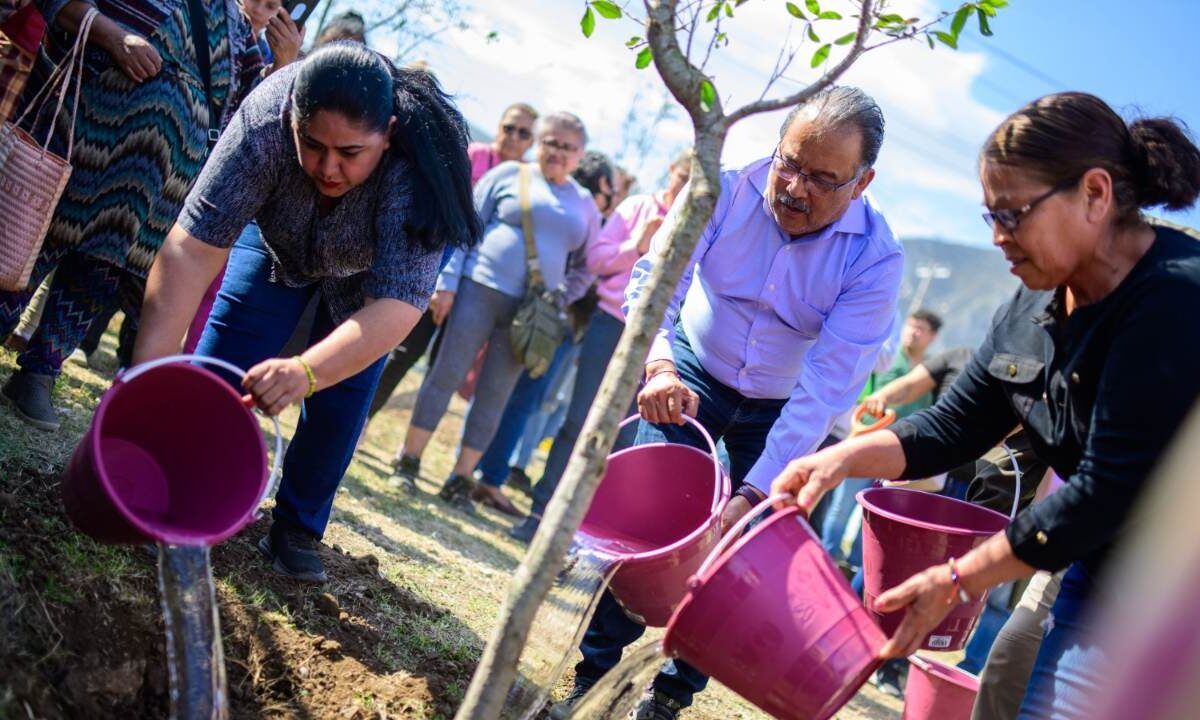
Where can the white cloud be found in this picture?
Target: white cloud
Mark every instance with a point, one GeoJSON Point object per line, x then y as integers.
{"type": "Point", "coordinates": [935, 125]}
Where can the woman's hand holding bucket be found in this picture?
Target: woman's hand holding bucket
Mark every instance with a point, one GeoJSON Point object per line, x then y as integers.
{"type": "Point", "coordinates": [275, 384]}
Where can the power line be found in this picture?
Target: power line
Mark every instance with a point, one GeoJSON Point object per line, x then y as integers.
{"type": "Point", "coordinates": [1018, 63]}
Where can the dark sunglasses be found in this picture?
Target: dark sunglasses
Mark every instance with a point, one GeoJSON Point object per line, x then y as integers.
{"type": "Point", "coordinates": [1010, 218]}
{"type": "Point", "coordinates": [522, 132]}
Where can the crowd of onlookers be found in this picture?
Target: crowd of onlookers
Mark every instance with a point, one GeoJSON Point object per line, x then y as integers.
{"type": "Point", "coordinates": [322, 220]}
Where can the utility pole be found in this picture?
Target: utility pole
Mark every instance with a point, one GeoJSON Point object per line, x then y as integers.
{"type": "Point", "coordinates": [927, 273]}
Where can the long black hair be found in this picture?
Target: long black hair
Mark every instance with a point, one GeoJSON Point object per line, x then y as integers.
{"type": "Point", "coordinates": [366, 88]}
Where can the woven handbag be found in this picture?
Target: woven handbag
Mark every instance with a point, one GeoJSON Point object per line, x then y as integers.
{"type": "Point", "coordinates": [31, 177]}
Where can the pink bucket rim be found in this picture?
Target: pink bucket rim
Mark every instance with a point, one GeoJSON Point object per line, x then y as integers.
{"type": "Point", "coordinates": [864, 499]}
{"type": "Point", "coordinates": [947, 673]}
{"type": "Point", "coordinates": [156, 532]}
{"type": "Point", "coordinates": [697, 583]}
{"type": "Point", "coordinates": [713, 517]}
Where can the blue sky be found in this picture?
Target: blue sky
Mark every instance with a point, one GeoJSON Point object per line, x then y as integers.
{"type": "Point", "coordinates": [940, 105]}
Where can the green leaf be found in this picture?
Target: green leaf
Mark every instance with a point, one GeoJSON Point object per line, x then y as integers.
{"type": "Point", "coordinates": [947, 39]}
{"type": "Point", "coordinates": [821, 55]}
{"type": "Point", "coordinates": [813, 6]}
{"type": "Point", "coordinates": [812, 34]}
{"type": "Point", "coordinates": [830, 15]}
{"type": "Point", "coordinates": [633, 42]}
{"type": "Point", "coordinates": [960, 19]}
{"type": "Point", "coordinates": [795, 11]}
{"type": "Point", "coordinates": [892, 19]}
{"type": "Point", "coordinates": [607, 9]}
{"type": "Point", "coordinates": [644, 58]}
{"type": "Point", "coordinates": [588, 23]}
{"type": "Point", "coordinates": [729, 9]}
{"type": "Point", "coordinates": [713, 13]}
{"type": "Point", "coordinates": [995, 3]}
{"type": "Point", "coordinates": [929, 39]}
{"type": "Point", "coordinates": [845, 39]}
{"type": "Point", "coordinates": [708, 95]}
{"type": "Point", "coordinates": [987, 9]}
{"type": "Point", "coordinates": [984, 29]}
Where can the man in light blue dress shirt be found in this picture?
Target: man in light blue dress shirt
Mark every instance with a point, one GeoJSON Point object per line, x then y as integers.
{"type": "Point", "coordinates": [771, 333]}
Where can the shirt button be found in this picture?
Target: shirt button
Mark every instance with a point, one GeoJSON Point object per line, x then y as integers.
{"type": "Point", "coordinates": [1012, 370]}
{"type": "Point", "coordinates": [753, 342]}
{"type": "Point", "coordinates": [1075, 378]}
{"type": "Point", "coordinates": [771, 287]}
{"type": "Point", "coordinates": [1045, 397]}
{"type": "Point", "coordinates": [1041, 537]}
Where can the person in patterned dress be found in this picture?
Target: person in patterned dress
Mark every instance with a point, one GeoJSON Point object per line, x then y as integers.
{"type": "Point", "coordinates": [141, 137]}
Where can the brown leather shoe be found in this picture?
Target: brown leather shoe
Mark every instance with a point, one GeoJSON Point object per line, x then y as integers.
{"type": "Point", "coordinates": [494, 498]}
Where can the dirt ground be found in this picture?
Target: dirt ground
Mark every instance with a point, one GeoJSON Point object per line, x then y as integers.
{"type": "Point", "coordinates": [414, 591]}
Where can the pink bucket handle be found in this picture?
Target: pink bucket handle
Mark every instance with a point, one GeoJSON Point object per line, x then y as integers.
{"type": "Point", "coordinates": [721, 483]}
{"type": "Point", "coordinates": [277, 467]}
{"type": "Point", "coordinates": [736, 531]}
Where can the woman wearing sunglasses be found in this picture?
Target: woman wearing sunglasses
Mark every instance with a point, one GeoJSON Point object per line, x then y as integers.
{"type": "Point", "coordinates": [514, 137]}
{"type": "Point", "coordinates": [1095, 357]}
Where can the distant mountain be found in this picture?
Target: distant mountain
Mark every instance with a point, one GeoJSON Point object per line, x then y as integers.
{"type": "Point", "coordinates": [976, 283]}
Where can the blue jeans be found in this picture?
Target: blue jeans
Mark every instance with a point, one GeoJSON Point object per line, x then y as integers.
{"type": "Point", "coordinates": [1071, 667]}
{"type": "Point", "coordinates": [251, 320]}
{"type": "Point", "coordinates": [522, 405]}
{"type": "Point", "coordinates": [837, 513]}
{"type": "Point", "coordinates": [743, 423]}
{"type": "Point", "coordinates": [596, 349]}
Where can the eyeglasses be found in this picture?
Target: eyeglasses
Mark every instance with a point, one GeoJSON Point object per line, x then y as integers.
{"type": "Point", "coordinates": [522, 132]}
{"type": "Point", "coordinates": [559, 145]}
{"type": "Point", "coordinates": [818, 186]}
{"type": "Point", "coordinates": [1009, 218]}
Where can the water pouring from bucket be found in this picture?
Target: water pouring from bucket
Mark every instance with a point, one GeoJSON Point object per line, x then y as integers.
{"type": "Point", "coordinates": [658, 511]}
{"type": "Point", "coordinates": [643, 550]}
{"type": "Point", "coordinates": [173, 457]}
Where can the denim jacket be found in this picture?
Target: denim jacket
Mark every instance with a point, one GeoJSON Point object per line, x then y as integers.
{"type": "Point", "coordinates": [1099, 393]}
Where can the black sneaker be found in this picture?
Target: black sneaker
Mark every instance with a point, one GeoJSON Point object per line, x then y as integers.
{"type": "Point", "coordinates": [561, 710]}
{"type": "Point", "coordinates": [657, 706]}
{"type": "Point", "coordinates": [293, 553]}
{"type": "Point", "coordinates": [457, 492]}
{"type": "Point", "coordinates": [29, 396]}
{"type": "Point", "coordinates": [524, 530]}
{"type": "Point", "coordinates": [889, 677]}
{"type": "Point", "coordinates": [518, 480]}
{"type": "Point", "coordinates": [405, 471]}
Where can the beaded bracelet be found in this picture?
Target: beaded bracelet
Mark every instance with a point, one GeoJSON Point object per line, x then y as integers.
{"type": "Point", "coordinates": [312, 377]}
{"type": "Point", "coordinates": [957, 591]}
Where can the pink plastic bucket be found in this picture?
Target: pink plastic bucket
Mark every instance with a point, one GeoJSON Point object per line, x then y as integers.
{"type": "Point", "coordinates": [658, 509]}
{"type": "Point", "coordinates": [774, 620]}
{"type": "Point", "coordinates": [936, 691]}
{"type": "Point", "coordinates": [172, 456]}
{"type": "Point", "coordinates": [907, 531]}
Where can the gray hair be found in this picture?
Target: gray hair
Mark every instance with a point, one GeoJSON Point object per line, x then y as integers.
{"type": "Point", "coordinates": [838, 105]}
{"type": "Point", "coordinates": [564, 121]}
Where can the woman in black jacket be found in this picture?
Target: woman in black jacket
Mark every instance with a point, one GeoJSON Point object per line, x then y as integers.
{"type": "Point", "coordinates": [1093, 357]}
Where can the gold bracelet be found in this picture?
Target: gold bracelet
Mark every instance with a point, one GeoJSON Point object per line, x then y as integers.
{"type": "Point", "coordinates": [312, 377]}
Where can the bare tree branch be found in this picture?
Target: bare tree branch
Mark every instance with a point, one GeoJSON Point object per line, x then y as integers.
{"type": "Point", "coordinates": [857, 49]}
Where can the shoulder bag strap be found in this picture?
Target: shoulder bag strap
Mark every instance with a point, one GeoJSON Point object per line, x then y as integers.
{"type": "Point", "coordinates": [199, 23]}
{"type": "Point", "coordinates": [531, 256]}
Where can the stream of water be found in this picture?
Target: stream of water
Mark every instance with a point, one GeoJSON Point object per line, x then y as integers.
{"type": "Point", "coordinates": [195, 658]}
{"type": "Point", "coordinates": [616, 694]}
{"type": "Point", "coordinates": [557, 629]}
